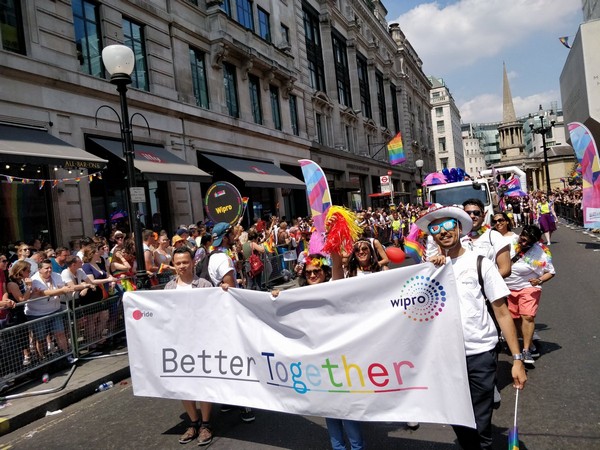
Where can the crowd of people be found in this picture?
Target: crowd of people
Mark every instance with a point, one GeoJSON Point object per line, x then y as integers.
{"type": "Point", "coordinates": [514, 267]}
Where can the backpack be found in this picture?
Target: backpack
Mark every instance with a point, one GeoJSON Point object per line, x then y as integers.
{"type": "Point", "coordinates": [202, 266]}
{"type": "Point", "coordinates": [256, 265]}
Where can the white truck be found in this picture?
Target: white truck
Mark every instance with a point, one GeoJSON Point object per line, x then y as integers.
{"type": "Point", "coordinates": [456, 193]}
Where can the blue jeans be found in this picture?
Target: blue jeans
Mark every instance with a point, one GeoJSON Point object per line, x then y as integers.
{"type": "Point", "coordinates": [336, 428]}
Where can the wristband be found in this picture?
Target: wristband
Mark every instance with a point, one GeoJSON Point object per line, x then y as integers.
{"type": "Point", "coordinates": [518, 357]}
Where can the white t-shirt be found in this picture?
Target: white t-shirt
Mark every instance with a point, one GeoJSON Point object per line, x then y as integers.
{"type": "Point", "coordinates": [478, 327]}
{"type": "Point", "coordinates": [488, 244]}
{"type": "Point", "coordinates": [46, 305]}
{"type": "Point", "coordinates": [219, 265]}
{"type": "Point", "coordinates": [67, 276]}
{"type": "Point", "coordinates": [184, 286]}
{"type": "Point", "coordinates": [512, 241]}
{"type": "Point", "coordinates": [534, 264]}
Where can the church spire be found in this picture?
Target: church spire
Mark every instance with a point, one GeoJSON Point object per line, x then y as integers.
{"type": "Point", "coordinates": [508, 109]}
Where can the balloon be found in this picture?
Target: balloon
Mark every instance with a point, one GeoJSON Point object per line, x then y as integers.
{"type": "Point", "coordinates": [395, 254]}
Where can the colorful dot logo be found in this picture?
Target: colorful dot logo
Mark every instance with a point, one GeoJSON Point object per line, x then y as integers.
{"type": "Point", "coordinates": [422, 299]}
{"type": "Point", "coordinates": [137, 314]}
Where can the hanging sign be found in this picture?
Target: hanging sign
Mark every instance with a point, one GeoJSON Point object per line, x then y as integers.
{"type": "Point", "coordinates": [223, 203]}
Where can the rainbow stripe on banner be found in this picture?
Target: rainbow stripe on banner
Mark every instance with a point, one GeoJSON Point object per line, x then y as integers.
{"type": "Point", "coordinates": [396, 150]}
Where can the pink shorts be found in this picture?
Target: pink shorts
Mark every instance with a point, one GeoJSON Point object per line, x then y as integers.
{"type": "Point", "coordinates": [524, 302]}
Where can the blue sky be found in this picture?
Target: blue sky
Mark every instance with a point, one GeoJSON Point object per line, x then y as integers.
{"type": "Point", "coordinates": [465, 42]}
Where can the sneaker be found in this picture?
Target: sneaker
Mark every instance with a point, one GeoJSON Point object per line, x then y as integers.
{"type": "Point", "coordinates": [190, 434]}
{"type": "Point", "coordinates": [527, 358]}
{"type": "Point", "coordinates": [535, 352]}
{"type": "Point", "coordinates": [226, 408]}
{"type": "Point", "coordinates": [26, 360]}
{"type": "Point", "coordinates": [247, 415]}
{"type": "Point", "coordinates": [52, 348]}
{"type": "Point", "coordinates": [205, 436]}
{"type": "Point", "coordinates": [413, 425]}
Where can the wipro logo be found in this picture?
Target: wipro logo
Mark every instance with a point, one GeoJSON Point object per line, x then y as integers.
{"type": "Point", "coordinates": [137, 314]}
{"type": "Point", "coordinates": [422, 299]}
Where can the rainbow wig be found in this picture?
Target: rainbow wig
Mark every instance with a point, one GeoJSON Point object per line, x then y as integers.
{"type": "Point", "coordinates": [342, 230]}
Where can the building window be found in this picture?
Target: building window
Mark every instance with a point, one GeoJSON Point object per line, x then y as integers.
{"type": "Point", "coordinates": [314, 51]}
{"type": "Point", "coordinates": [442, 144]}
{"type": "Point", "coordinates": [395, 114]}
{"type": "Point", "coordinates": [134, 39]}
{"type": "Point", "coordinates": [440, 126]}
{"type": "Point", "coordinates": [439, 112]}
{"type": "Point", "coordinates": [294, 115]}
{"type": "Point", "coordinates": [381, 100]}
{"type": "Point", "coordinates": [363, 86]}
{"type": "Point", "coordinates": [320, 128]}
{"type": "Point", "coordinates": [342, 75]}
{"type": "Point", "coordinates": [199, 81]}
{"type": "Point", "coordinates": [264, 26]}
{"type": "Point", "coordinates": [230, 83]}
{"type": "Point", "coordinates": [350, 139]}
{"type": "Point", "coordinates": [11, 26]}
{"type": "Point", "coordinates": [285, 34]}
{"type": "Point", "coordinates": [254, 87]}
{"type": "Point", "coordinates": [275, 108]}
{"type": "Point", "coordinates": [444, 163]}
{"type": "Point", "coordinates": [87, 37]}
{"type": "Point", "coordinates": [226, 7]}
{"type": "Point", "coordinates": [244, 14]}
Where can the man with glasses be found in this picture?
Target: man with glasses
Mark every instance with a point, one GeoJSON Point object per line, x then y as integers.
{"type": "Point", "coordinates": [445, 225]}
{"type": "Point", "coordinates": [485, 241]}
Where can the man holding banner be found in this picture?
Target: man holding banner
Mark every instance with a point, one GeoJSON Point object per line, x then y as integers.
{"type": "Point", "coordinates": [446, 224]}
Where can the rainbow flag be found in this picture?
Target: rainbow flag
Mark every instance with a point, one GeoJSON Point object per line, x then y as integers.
{"type": "Point", "coordinates": [414, 249]}
{"type": "Point", "coordinates": [269, 244]}
{"type": "Point", "coordinates": [396, 150]}
{"type": "Point", "coordinates": [513, 439]}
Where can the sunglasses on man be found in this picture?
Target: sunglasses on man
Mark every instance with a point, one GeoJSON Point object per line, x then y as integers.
{"type": "Point", "coordinates": [447, 225]}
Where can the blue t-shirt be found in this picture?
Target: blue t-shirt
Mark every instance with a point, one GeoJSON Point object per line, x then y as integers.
{"type": "Point", "coordinates": [57, 267]}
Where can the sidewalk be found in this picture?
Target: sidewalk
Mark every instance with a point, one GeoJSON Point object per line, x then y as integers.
{"type": "Point", "coordinates": [88, 375]}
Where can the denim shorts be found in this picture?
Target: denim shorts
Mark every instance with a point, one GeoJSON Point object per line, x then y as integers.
{"type": "Point", "coordinates": [47, 325]}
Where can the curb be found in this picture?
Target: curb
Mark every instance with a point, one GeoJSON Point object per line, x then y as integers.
{"type": "Point", "coordinates": [61, 400]}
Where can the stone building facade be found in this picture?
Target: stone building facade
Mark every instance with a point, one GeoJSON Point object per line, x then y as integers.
{"type": "Point", "coordinates": [231, 88]}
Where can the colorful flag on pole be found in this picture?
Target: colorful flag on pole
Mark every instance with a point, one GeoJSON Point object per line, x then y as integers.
{"type": "Point", "coordinates": [564, 41]}
{"type": "Point", "coordinates": [587, 155]}
{"type": "Point", "coordinates": [513, 434]}
{"type": "Point", "coordinates": [413, 246]}
{"type": "Point", "coordinates": [396, 150]}
{"type": "Point", "coordinates": [319, 199]}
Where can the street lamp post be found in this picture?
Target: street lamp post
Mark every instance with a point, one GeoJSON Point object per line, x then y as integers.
{"type": "Point", "coordinates": [550, 119]}
{"type": "Point", "coordinates": [419, 163]}
{"type": "Point", "coordinates": [119, 61]}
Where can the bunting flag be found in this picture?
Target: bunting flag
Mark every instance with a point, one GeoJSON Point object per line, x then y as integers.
{"type": "Point", "coordinates": [396, 150]}
{"type": "Point", "coordinates": [54, 181]}
{"type": "Point", "coordinates": [587, 155]}
{"type": "Point", "coordinates": [564, 41]}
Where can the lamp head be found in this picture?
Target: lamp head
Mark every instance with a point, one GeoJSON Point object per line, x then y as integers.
{"type": "Point", "coordinates": [530, 122]}
{"type": "Point", "coordinates": [419, 163]}
{"type": "Point", "coordinates": [119, 61]}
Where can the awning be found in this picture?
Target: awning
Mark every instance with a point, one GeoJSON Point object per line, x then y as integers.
{"type": "Point", "coordinates": [380, 194]}
{"type": "Point", "coordinates": [23, 145]}
{"type": "Point", "coordinates": [156, 163]}
{"type": "Point", "coordinates": [257, 174]}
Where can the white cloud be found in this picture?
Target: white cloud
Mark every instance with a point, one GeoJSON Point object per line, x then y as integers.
{"type": "Point", "coordinates": [488, 107]}
{"type": "Point", "coordinates": [460, 34]}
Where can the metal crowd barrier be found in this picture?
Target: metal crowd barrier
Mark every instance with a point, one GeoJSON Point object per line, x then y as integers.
{"type": "Point", "coordinates": [571, 213]}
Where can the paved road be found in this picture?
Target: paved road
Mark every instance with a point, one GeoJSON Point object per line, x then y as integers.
{"type": "Point", "coordinates": [559, 409]}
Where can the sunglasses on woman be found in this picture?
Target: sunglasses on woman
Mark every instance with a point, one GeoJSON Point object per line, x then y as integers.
{"type": "Point", "coordinates": [495, 221]}
{"type": "Point", "coordinates": [447, 225]}
{"type": "Point", "coordinates": [315, 272]}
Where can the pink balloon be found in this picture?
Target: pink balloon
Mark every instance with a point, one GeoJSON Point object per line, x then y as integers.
{"type": "Point", "coordinates": [395, 254]}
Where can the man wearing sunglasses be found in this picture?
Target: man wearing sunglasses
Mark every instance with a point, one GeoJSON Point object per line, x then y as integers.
{"type": "Point", "coordinates": [485, 241]}
{"type": "Point", "coordinates": [445, 225]}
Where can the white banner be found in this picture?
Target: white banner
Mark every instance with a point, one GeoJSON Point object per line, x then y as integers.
{"type": "Point", "coordinates": [385, 347]}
